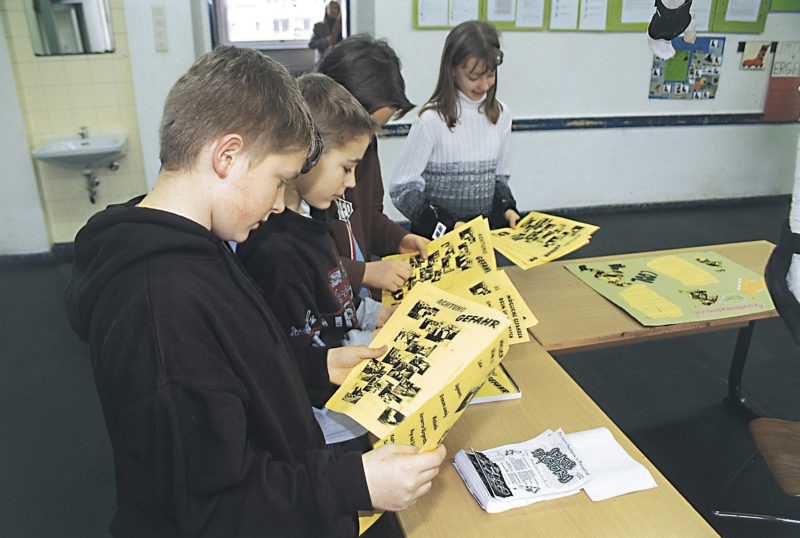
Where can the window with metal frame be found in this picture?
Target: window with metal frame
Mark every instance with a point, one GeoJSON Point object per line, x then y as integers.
{"type": "Point", "coordinates": [270, 24]}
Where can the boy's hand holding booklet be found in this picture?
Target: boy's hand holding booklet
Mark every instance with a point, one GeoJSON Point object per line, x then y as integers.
{"type": "Point", "coordinates": [441, 348]}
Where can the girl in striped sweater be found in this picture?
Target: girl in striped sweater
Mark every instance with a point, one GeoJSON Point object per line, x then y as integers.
{"type": "Point", "coordinates": [454, 164]}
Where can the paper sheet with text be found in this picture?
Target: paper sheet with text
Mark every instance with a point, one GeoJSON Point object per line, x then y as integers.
{"type": "Point", "coordinates": [441, 348]}
{"type": "Point", "coordinates": [496, 290]}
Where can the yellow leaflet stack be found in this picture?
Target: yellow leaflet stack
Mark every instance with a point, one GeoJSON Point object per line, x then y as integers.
{"type": "Point", "coordinates": [456, 258]}
{"type": "Point", "coordinates": [540, 238]}
{"type": "Point", "coordinates": [496, 290]}
{"type": "Point", "coordinates": [462, 262]}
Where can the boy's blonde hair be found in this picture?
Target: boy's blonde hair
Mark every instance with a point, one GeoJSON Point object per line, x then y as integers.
{"type": "Point", "coordinates": [338, 116]}
{"type": "Point", "coordinates": [235, 90]}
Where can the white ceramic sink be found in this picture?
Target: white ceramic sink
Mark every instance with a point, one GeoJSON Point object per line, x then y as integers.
{"type": "Point", "coordinates": [79, 152]}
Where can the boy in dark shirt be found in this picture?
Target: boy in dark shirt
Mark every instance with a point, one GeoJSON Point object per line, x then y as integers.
{"type": "Point", "coordinates": [206, 402]}
{"type": "Point", "coordinates": [310, 291]}
{"type": "Point", "coordinates": [370, 70]}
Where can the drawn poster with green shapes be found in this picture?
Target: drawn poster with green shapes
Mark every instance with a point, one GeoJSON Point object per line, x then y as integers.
{"type": "Point", "coordinates": [677, 288]}
{"type": "Point", "coordinates": [693, 73]}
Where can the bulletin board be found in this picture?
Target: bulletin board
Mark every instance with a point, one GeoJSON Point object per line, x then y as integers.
{"type": "Point", "coordinates": [578, 15]}
{"type": "Point", "coordinates": [785, 5]}
{"type": "Point", "coordinates": [728, 16]}
{"type": "Point", "coordinates": [740, 16]}
{"type": "Point", "coordinates": [629, 15]}
{"type": "Point", "coordinates": [514, 15]}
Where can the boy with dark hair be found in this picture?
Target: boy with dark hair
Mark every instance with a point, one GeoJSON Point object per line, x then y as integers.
{"type": "Point", "coordinates": [207, 407]}
{"type": "Point", "coordinates": [370, 70]}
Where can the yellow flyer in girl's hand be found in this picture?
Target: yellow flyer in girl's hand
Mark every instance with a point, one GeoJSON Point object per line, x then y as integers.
{"type": "Point", "coordinates": [540, 238]}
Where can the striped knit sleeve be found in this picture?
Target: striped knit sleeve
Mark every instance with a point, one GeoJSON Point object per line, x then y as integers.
{"type": "Point", "coordinates": [408, 186]}
{"type": "Point", "coordinates": [505, 142]}
{"type": "Point", "coordinates": [502, 190]}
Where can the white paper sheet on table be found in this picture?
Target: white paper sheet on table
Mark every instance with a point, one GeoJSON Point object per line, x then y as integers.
{"type": "Point", "coordinates": [612, 470]}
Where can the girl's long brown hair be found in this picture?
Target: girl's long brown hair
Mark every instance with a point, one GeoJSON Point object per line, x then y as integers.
{"type": "Point", "coordinates": [336, 29]}
{"type": "Point", "coordinates": [470, 39]}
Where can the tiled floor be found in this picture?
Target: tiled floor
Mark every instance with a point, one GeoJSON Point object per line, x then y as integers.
{"type": "Point", "coordinates": [56, 469]}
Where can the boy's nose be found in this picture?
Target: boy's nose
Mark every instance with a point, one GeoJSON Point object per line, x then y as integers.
{"type": "Point", "coordinates": [350, 179]}
{"type": "Point", "coordinates": [279, 205]}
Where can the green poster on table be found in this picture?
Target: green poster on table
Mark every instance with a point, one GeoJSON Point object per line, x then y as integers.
{"type": "Point", "coordinates": [677, 288]}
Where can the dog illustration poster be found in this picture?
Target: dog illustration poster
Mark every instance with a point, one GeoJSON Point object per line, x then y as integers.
{"type": "Point", "coordinates": [693, 73]}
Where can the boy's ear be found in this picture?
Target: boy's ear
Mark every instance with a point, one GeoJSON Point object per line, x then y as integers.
{"type": "Point", "coordinates": [227, 149]}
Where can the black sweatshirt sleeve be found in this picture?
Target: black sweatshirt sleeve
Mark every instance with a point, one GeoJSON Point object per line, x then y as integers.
{"type": "Point", "coordinates": [191, 447]}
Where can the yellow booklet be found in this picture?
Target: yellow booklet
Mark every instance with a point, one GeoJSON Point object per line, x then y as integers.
{"type": "Point", "coordinates": [499, 386]}
{"type": "Point", "coordinates": [441, 348]}
{"type": "Point", "coordinates": [462, 262]}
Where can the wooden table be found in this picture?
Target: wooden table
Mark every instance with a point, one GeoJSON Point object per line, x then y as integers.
{"type": "Point", "coordinates": [573, 317]}
{"type": "Point", "coordinates": [550, 399]}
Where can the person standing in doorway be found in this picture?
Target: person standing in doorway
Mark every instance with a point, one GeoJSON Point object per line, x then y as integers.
{"type": "Point", "coordinates": [327, 32]}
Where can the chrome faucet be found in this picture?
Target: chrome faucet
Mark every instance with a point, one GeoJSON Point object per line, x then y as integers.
{"type": "Point", "coordinates": [83, 132]}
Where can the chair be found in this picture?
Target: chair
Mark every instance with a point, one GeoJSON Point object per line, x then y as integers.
{"type": "Point", "coordinates": [786, 303]}
{"type": "Point", "coordinates": [787, 306]}
{"type": "Point", "coordinates": [777, 441]}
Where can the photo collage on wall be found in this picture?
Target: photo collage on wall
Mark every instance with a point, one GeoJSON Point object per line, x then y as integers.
{"type": "Point", "coordinates": [693, 73]}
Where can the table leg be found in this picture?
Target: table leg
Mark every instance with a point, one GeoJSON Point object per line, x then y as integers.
{"type": "Point", "coordinates": [735, 401]}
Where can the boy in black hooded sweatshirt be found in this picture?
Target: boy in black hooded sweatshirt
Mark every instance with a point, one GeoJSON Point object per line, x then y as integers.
{"type": "Point", "coordinates": [207, 404]}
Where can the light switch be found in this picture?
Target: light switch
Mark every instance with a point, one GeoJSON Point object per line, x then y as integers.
{"type": "Point", "coordinates": [160, 28]}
